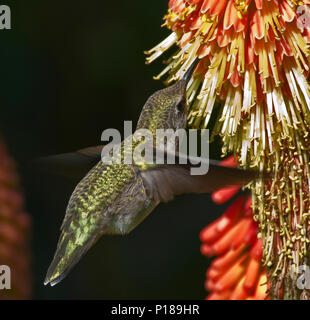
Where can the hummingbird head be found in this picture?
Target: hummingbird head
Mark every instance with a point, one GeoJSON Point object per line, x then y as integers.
{"type": "Point", "coordinates": [167, 108]}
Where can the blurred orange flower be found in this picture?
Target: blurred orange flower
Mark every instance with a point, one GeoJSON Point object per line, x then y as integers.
{"type": "Point", "coordinates": [14, 231]}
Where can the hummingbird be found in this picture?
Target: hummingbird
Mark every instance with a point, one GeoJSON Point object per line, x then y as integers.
{"type": "Point", "coordinates": [115, 198]}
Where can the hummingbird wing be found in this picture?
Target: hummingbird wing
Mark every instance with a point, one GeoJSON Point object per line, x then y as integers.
{"type": "Point", "coordinates": [163, 182]}
{"type": "Point", "coordinates": [71, 165]}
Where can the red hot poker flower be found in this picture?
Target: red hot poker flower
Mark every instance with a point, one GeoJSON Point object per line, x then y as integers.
{"type": "Point", "coordinates": [237, 272]}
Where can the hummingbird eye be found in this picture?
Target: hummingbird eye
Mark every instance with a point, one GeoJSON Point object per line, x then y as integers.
{"type": "Point", "coordinates": [181, 106]}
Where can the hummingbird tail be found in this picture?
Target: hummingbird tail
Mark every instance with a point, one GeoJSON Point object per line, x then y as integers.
{"type": "Point", "coordinates": [67, 255]}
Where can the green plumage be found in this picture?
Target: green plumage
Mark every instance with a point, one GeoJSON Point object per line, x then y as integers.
{"type": "Point", "coordinates": [111, 199]}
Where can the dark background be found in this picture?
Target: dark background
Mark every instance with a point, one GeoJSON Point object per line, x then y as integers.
{"type": "Point", "coordinates": [69, 70]}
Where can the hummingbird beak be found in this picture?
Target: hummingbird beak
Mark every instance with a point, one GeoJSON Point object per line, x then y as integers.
{"type": "Point", "coordinates": [187, 75]}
